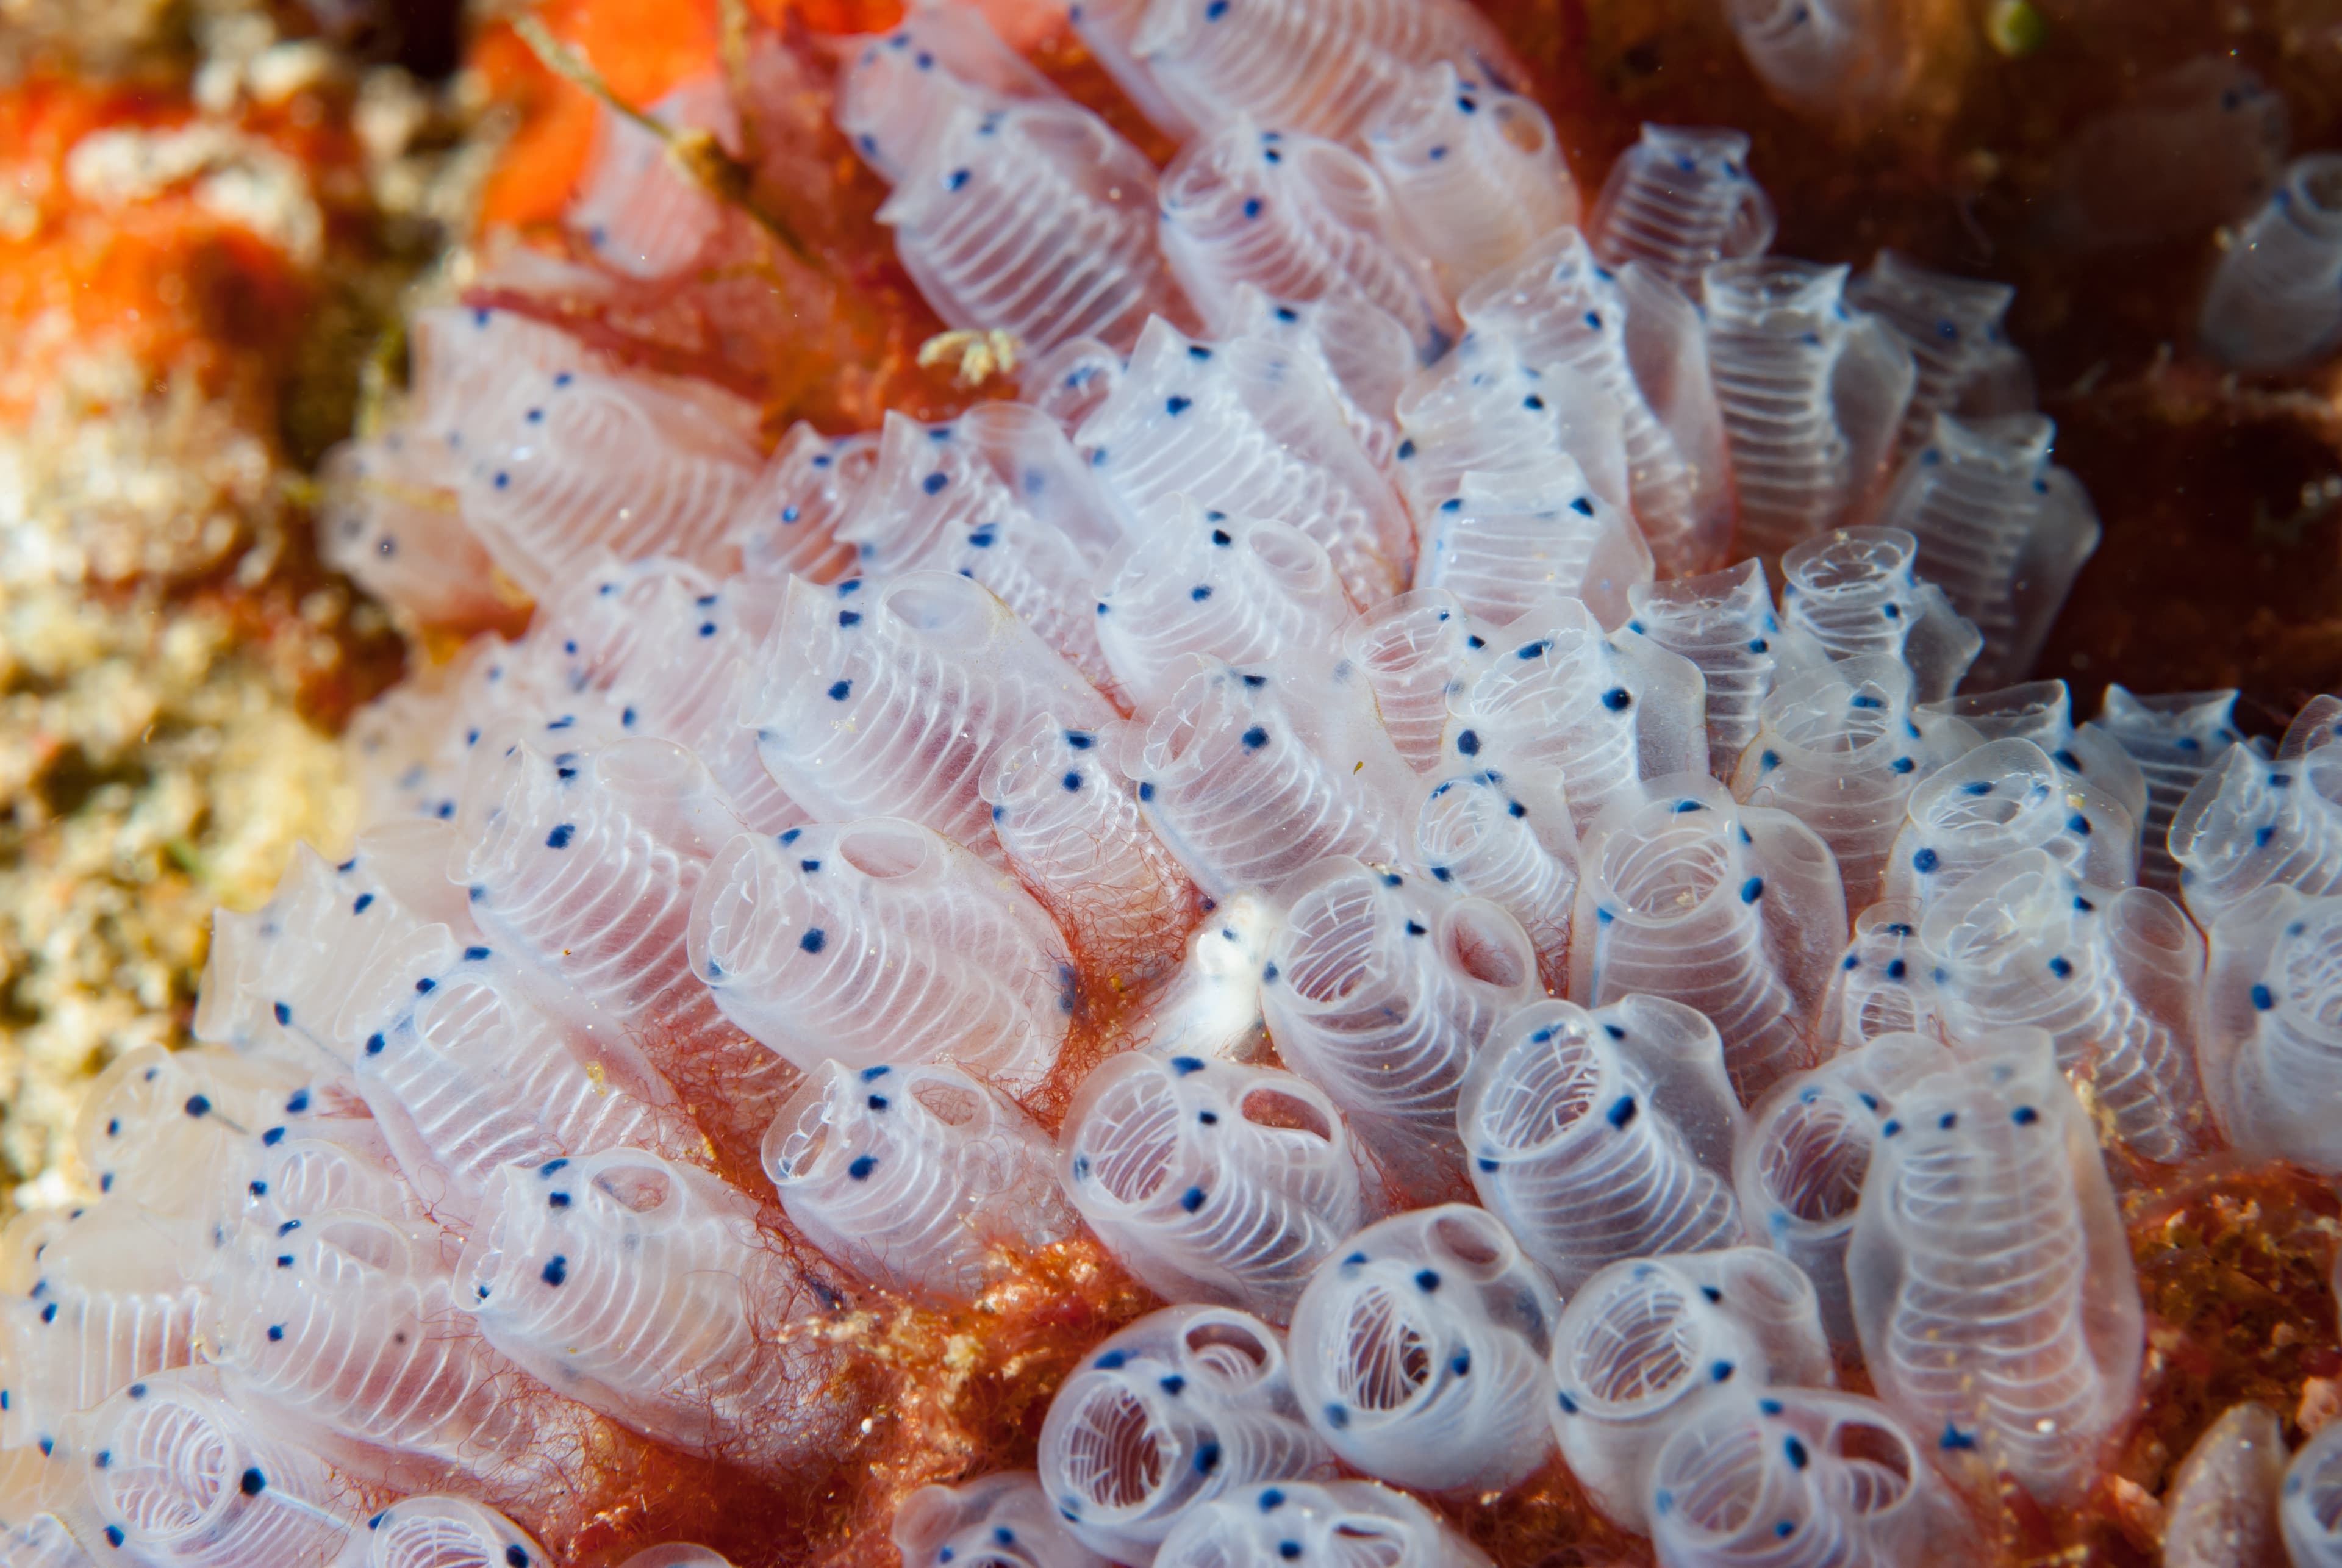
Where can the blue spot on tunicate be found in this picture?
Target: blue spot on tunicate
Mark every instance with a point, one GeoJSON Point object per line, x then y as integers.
{"type": "Point", "coordinates": [197, 1105]}
{"type": "Point", "coordinates": [1192, 1199]}
{"type": "Point", "coordinates": [2025, 1115]}
{"type": "Point", "coordinates": [1926, 860]}
{"type": "Point", "coordinates": [1901, 765]}
{"type": "Point", "coordinates": [840, 690]}
{"type": "Point", "coordinates": [555, 1271]}
{"type": "Point", "coordinates": [1897, 969]}
{"type": "Point", "coordinates": [2263, 999]}
{"type": "Point", "coordinates": [1752, 890]}
{"type": "Point", "coordinates": [1954, 1438]}
{"type": "Point", "coordinates": [2062, 967]}
{"type": "Point", "coordinates": [1183, 1065]}
{"type": "Point", "coordinates": [862, 1167]}
{"type": "Point", "coordinates": [1621, 1111]}
{"type": "Point", "coordinates": [1468, 743]}
{"type": "Point", "coordinates": [812, 940]}
{"type": "Point", "coordinates": [1255, 738]}
{"type": "Point", "coordinates": [1207, 1459]}
{"type": "Point", "coordinates": [1174, 406]}
{"type": "Point", "coordinates": [364, 901]}
{"type": "Point", "coordinates": [560, 837]}
{"type": "Point", "coordinates": [933, 482]}
{"type": "Point", "coordinates": [1200, 592]}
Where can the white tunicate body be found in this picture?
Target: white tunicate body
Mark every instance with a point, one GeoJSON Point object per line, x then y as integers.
{"type": "Point", "coordinates": [1886, 983]}
{"type": "Point", "coordinates": [1321, 67]}
{"type": "Point", "coordinates": [2276, 299]}
{"type": "Point", "coordinates": [2175, 738]}
{"type": "Point", "coordinates": [644, 1290]}
{"type": "Point", "coordinates": [1952, 326]}
{"type": "Point", "coordinates": [2271, 1052]}
{"type": "Point", "coordinates": [1836, 749]}
{"type": "Point", "coordinates": [2310, 1502]}
{"type": "Point", "coordinates": [789, 523]}
{"type": "Point", "coordinates": [1823, 56]}
{"type": "Point", "coordinates": [1597, 1136]}
{"type": "Point", "coordinates": [2041, 712]}
{"type": "Point", "coordinates": [998, 1520]}
{"type": "Point", "coordinates": [1800, 1168]}
{"type": "Point", "coordinates": [1475, 171]}
{"type": "Point", "coordinates": [2114, 977]}
{"type": "Point", "coordinates": [1248, 789]}
{"type": "Point", "coordinates": [1035, 219]}
{"type": "Point", "coordinates": [998, 498]}
{"type": "Point", "coordinates": [1505, 541]}
{"type": "Point", "coordinates": [1501, 837]}
{"type": "Point", "coordinates": [1724, 623]}
{"type": "Point", "coordinates": [1642, 1340]}
{"type": "Point", "coordinates": [1380, 989]}
{"type": "Point", "coordinates": [1801, 1478]}
{"type": "Point", "coordinates": [895, 698]}
{"type": "Point", "coordinates": [898, 91]}
{"type": "Point", "coordinates": [2249, 823]}
{"type": "Point", "coordinates": [1183, 1406]}
{"type": "Point", "coordinates": [1736, 911]}
{"type": "Point", "coordinates": [1299, 218]}
{"type": "Point", "coordinates": [636, 211]}
{"type": "Point", "coordinates": [2222, 1510]}
{"type": "Point", "coordinates": [1999, 799]}
{"type": "Point", "coordinates": [1251, 427]}
{"type": "Point", "coordinates": [1854, 592]}
{"type": "Point", "coordinates": [1679, 201]}
{"type": "Point", "coordinates": [2001, 530]}
{"type": "Point", "coordinates": [914, 1178]}
{"type": "Point", "coordinates": [1414, 651]}
{"type": "Point", "coordinates": [1323, 1522]}
{"type": "Point", "coordinates": [1211, 1180]}
{"type": "Point", "coordinates": [1418, 1351]}
{"type": "Point", "coordinates": [1990, 1271]}
{"type": "Point", "coordinates": [434, 1531]}
{"type": "Point", "coordinates": [879, 941]}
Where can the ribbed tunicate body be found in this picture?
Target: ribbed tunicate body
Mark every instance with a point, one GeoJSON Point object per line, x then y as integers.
{"type": "Point", "coordinates": [894, 698]}
{"type": "Point", "coordinates": [2271, 1052]}
{"type": "Point", "coordinates": [1245, 797]}
{"type": "Point", "coordinates": [897, 92]}
{"type": "Point", "coordinates": [1475, 171]}
{"type": "Point", "coordinates": [1801, 1478]}
{"type": "Point", "coordinates": [1990, 1273]}
{"type": "Point", "coordinates": [999, 1521]}
{"type": "Point", "coordinates": [1251, 428]}
{"type": "Point", "coordinates": [1033, 218]}
{"type": "Point", "coordinates": [1725, 624]}
{"type": "Point", "coordinates": [878, 940]}
{"type": "Point", "coordinates": [2250, 823]}
{"type": "Point", "coordinates": [789, 523]}
{"type": "Point", "coordinates": [645, 1290]}
{"type": "Point", "coordinates": [1597, 1136]}
{"type": "Point", "coordinates": [1679, 201]}
{"type": "Point", "coordinates": [1641, 1342]}
{"type": "Point", "coordinates": [1836, 749]}
{"type": "Point", "coordinates": [1212, 1180]}
{"type": "Point", "coordinates": [1952, 326]}
{"type": "Point", "coordinates": [1504, 542]}
{"type": "Point", "coordinates": [2175, 738]}
{"type": "Point", "coordinates": [2001, 530]}
{"type": "Point", "coordinates": [996, 496]}
{"type": "Point", "coordinates": [443, 1531]}
{"type": "Point", "coordinates": [1418, 1351]}
{"type": "Point", "coordinates": [1322, 67]}
{"type": "Point", "coordinates": [1381, 989]}
{"type": "Point", "coordinates": [1070, 826]}
{"type": "Point", "coordinates": [1886, 983]}
{"type": "Point", "coordinates": [2273, 301]}
{"type": "Point", "coordinates": [1822, 55]}
{"type": "Point", "coordinates": [2024, 944]}
{"type": "Point", "coordinates": [1414, 651]}
{"type": "Point", "coordinates": [1326, 1522]}
{"type": "Point", "coordinates": [1800, 1169]}
{"type": "Point", "coordinates": [1499, 837]}
{"type": "Point", "coordinates": [1679, 896]}
{"type": "Point", "coordinates": [1999, 799]}
{"type": "Point", "coordinates": [2310, 1505]}
{"type": "Point", "coordinates": [1300, 219]}
{"type": "Point", "coordinates": [1183, 1406]}
{"type": "Point", "coordinates": [1853, 592]}
{"type": "Point", "coordinates": [915, 1176]}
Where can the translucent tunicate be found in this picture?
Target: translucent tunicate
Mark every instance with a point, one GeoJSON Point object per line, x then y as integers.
{"type": "Point", "coordinates": [1736, 911]}
{"type": "Point", "coordinates": [2001, 530]}
{"type": "Point", "coordinates": [1812, 395]}
{"type": "Point", "coordinates": [1507, 541]}
{"type": "Point", "coordinates": [1990, 1272]}
{"type": "Point", "coordinates": [2250, 823]}
{"type": "Point", "coordinates": [1800, 1167]}
{"type": "Point", "coordinates": [1418, 1351]}
{"type": "Point", "coordinates": [1643, 1340]}
{"type": "Point", "coordinates": [1340, 1522]}
{"type": "Point", "coordinates": [1835, 749]}
{"type": "Point", "coordinates": [2175, 737]}
{"type": "Point", "coordinates": [1414, 651]}
{"type": "Point", "coordinates": [913, 1178]}
{"type": "Point", "coordinates": [1724, 623]}
{"type": "Point", "coordinates": [442, 1532]}
{"type": "Point", "coordinates": [898, 90]}
{"type": "Point", "coordinates": [1380, 988]}
{"type": "Point", "coordinates": [1679, 201]}
{"type": "Point", "coordinates": [1800, 1478]}
{"type": "Point", "coordinates": [1856, 591]}
{"type": "Point", "coordinates": [637, 211]}
{"type": "Point", "coordinates": [880, 940]}
{"type": "Point", "coordinates": [1299, 218]}
{"type": "Point", "coordinates": [789, 523]}
{"type": "Point", "coordinates": [1501, 837]}
{"type": "Point", "coordinates": [2221, 1510]}
{"type": "Point", "coordinates": [1212, 1180]}
{"type": "Point", "coordinates": [1597, 1136]}
{"type": "Point", "coordinates": [1952, 326]}
{"type": "Point", "coordinates": [2115, 978]}
{"type": "Point", "coordinates": [1185, 1405]}
{"type": "Point", "coordinates": [2310, 1505]}
{"type": "Point", "coordinates": [2000, 798]}
{"type": "Point", "coordinates": [999, 1521]}
{"type": "Point", "coordinates": [2275, 300]}
{"type": "Point", "coordinates": [1474, 170]}
{"type": "Point", "coordinates": [644, 1290]}
{"type": "Point", "coordinates": [1252, 428]}
{"type": "Point", "coordinates": [1887, 984]}
{"type": "Point", "coordinates": [2271, 1051]}
{"type": "Point", "coordinates": [895, 698]}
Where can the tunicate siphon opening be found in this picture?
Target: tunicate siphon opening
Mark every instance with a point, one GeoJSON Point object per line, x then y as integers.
{"type": "Point", "coordinates": [951, 1103]}
{"type": "Point", "coordinates": [1401, 635]}
{"type": "Point", "coordinates": [1473, 1240]}
{"type": "Point", "coordinates": [1231, 1347]}
{"type": "Point", "coordinates": [794, 1143]}
{"type": "Point", "coordinates": [364, 1240]}
{"type": "Point", "coordinates": [2316, 187]}
{"type": "Point", "coordinates": [1286, 1112]}
{"type": "Point", "coordinates": [1717, 1476]}
{"type": "Point", "coordinates": [1487, 945]}
{"type": "Point", "coordinates": [1849, 559]}
{"type": "Point", "coordinates": [1131, 1137]}
{"type": "Point", "coordinates": [1663, 866]}
{"type": "Point", "coordinates": [1287, 552]}
{"type": "Point", "coordinates": [1529, 132]}
{"type": "Point", "coordinates": [1814, 1160]}
{"type": "Point", "coordinates": [1639, 1350]}
{"type": "Point", "coordinates": [1336, 943]}
{"type": "Point", "coordinates": [1385, 1359]}
{"type": "Point", "coordinates": [1540, 1089]}
{"type": "Point", "coordinates": [884, 850]}
{"type": "Point", "coordinates": [945, 610]}
{"type": "Point", "coordinates": [641, 1188]}
{"type": "Point", "coordinates": [187, 1480]}
{"type": "Point", "coordinates": [647, 769]}
{"type": "Point", "coordinates": [1114, 1456]}
{"type": "Point", "coordinates": [1879, 1464]}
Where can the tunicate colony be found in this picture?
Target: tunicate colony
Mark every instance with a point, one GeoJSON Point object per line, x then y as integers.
{"type": "Point", "coordinates": [1506, 700]}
